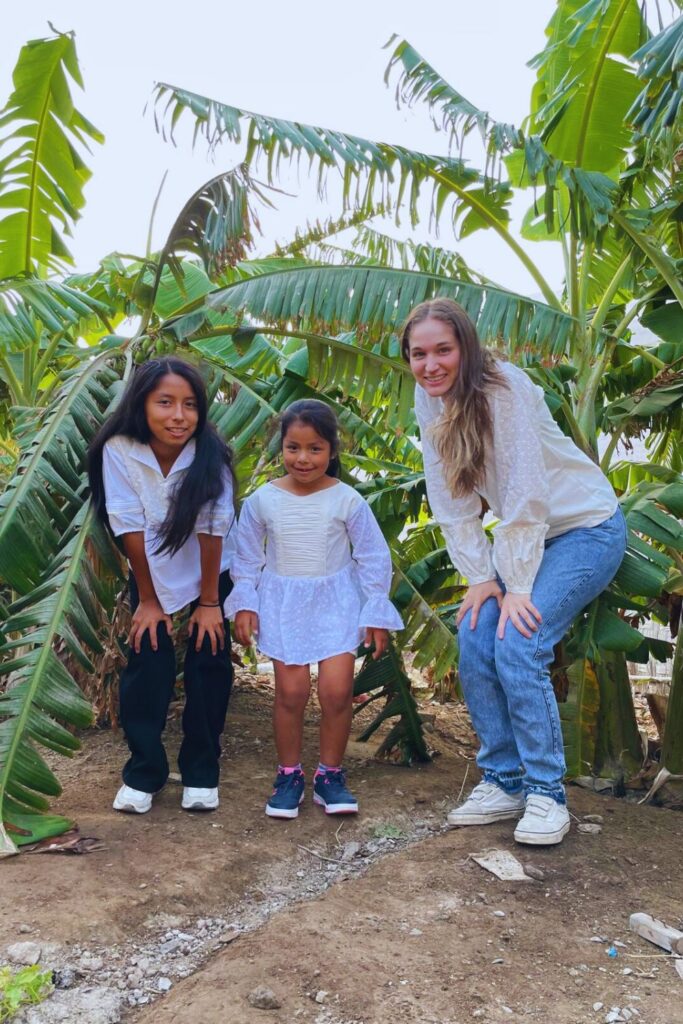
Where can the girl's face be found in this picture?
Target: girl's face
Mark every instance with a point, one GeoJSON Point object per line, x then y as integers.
{"type": "Point", "coordinates": [434, 356]}
{"type": "Point", "coordinates": [171, 411]}
{"type": "Point", "coordinates": [306, 454]}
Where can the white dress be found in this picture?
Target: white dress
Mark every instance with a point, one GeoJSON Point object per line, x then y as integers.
{"type": "Point", "coordinates": [315, 568]}
{"type": "Point", "coordinates": [536, 481]}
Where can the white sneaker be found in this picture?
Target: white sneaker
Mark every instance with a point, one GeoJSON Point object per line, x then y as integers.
{"type": "Point", "coordinates": [195, 799]}
{"type": "Point", "coordinates": [485, 804]}
{"type": "Point", "coordinates": [545, 822]}
{"type": "Point", "coordinates": [132, 801]}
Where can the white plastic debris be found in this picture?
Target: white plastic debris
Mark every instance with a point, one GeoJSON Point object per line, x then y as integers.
{"type": "Point", "coordinates": [502, 864]}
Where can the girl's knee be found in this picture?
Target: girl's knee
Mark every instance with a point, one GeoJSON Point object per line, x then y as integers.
{"type": "Point", "coordinates": [291, 698]}
{"type": "Point", "coordinates": [335, 701]}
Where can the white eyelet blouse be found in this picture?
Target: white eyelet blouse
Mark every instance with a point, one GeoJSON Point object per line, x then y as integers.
{"type": "Point", "coordinates": [314, 596]}
{"type": "Point", "coordinates": [536, 482]}
{"type": "Point", "coordinates": [137, 496]}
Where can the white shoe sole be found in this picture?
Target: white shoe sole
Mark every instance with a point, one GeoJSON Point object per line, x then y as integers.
{"type": "Point", "coordinates": [335, 808]}
{"type": "Point", "coordinates": [542, 838]}
{"type": "Point", "coordinates": [197, 805]}
{"type": "Point", "coordinates": [490, 818]}
{"type": "Point", "coordinates": [282, 812]}
{"type": "Point", "coordinates": [130, 808]}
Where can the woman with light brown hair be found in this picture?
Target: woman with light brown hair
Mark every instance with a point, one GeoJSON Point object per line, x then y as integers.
{"type": "Point", "coordinates": [488, 434]}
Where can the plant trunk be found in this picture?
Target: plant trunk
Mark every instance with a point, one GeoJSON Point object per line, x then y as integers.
{"type": "Point", "coordinates": [672, 748]}
{"type": "Point", "coordinates": [618, 752]}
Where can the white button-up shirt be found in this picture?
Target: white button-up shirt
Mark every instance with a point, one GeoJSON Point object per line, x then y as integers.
{"type": "Point", "coordinates": [536, 481]}
{"type": "Point", "coordinates": [137, 498]}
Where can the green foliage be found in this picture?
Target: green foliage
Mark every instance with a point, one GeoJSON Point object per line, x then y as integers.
{"type": "Point", "coordinates": [25, 987]}
{"type": "Point", "coordinates": [322, 319]}
{"type": "Point", "coordinates": [42, 173]}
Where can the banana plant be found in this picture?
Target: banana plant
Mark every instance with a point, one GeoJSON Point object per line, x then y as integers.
{"type": "Point", "coordinates": [599, 158]}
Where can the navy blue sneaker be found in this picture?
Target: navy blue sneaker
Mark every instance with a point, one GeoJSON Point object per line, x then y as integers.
{"type": "Point", "coordinates": [288, 792]}
{"type": "Point", "coordinates": [330, 791]}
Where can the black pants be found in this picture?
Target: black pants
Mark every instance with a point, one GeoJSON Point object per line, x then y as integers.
{"type": "Point", "coordinates": [147, 685]}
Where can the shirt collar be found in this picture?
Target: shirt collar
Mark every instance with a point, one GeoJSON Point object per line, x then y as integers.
{"type": "Point", "coordinates": [144, 454]}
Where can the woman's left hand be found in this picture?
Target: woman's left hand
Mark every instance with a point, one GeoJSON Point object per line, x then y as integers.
{"type": "Point", "coordinates": [378, 637]}
{"type": "Point", "coordinates": [209, 622]}
{"type": "Point", "coordinates": [523, 615]}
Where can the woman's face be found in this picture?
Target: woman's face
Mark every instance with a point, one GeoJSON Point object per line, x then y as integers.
{"type": "Point", "coordinates": [171, 411]}
{"type": "Point", "coordinates": [434, 356]}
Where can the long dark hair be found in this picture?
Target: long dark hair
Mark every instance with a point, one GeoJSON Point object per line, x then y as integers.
{"type": "Point", "coordinates": [464, 429]}
{"type": "Point", "coordinates": [319, 416]}
{"type": "Point", "coordinates": [204, 480]}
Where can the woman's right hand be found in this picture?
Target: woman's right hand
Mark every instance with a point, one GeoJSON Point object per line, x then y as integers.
{"type": "Point", "coordinates": [147, 616]}
{"type": "Point", "coordinates": [246, 624]}
{"type": "Point", "coordinates": [474, 599]}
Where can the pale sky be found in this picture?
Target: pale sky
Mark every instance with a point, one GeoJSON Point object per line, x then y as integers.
{"type": "Point", "coordinates": [301, 60]}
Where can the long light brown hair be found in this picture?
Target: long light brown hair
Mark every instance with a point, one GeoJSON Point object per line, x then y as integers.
{"type": "Point", "coordinates": [461, 433]}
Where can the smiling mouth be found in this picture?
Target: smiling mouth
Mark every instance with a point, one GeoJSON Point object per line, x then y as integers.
{"type": "Point", "coordinates": [436, 380]}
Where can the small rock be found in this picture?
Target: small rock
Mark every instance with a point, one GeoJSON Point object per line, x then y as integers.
{"type": "Point", "coordinates": [25, 953]}
{"type": "Point", "coordinates": [574, 973]}
{"type": "Point", "coordinates": [172, 946]}
{"type": "Point", "coordinates": [627, 970]}
{"type": "Point", "coordinates": [24, 929]}
{"type": "Point", "coordinates": [414, 931]}
{"type": "Point", "coordinates": [263, 998]}
{"type": "Point", "coordinates": [350, 851]}
{"type": "Point", "coordinates": [533, 872]}
{"type": "Point", "coordinates": [594, 819]}
{"type": "Point", "coordinates": [499, 913]}
{"type": "Point", "coordinates": [498, 960]}
{"type": "Point", "coordinates": [65, 978]}
{"type": "Point", "coordinates": [598, 1006]}
{"type": "Point", "coordinates": [614, 1016]}
{"type": "Point", "coordinates": [164, 984]}
{"type": "Point", "coordinates": [589, 829]}
{"type": "Point", "coordinates": [626, 1013]}
{"type": "Point", "coordinates": [91, 963]}
{"type": "Point", "coordinates": [227, 937]}
{"type": "Point", "coordinates": [320, 996]}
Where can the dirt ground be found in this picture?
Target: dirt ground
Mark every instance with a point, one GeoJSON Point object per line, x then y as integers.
{"type": "Point", "coordinates": [371, 920]}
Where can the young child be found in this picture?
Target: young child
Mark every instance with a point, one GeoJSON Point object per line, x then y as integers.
{"type": "Point", "coordinates": [161, 479]}
{"type": "Point", "coordinates": [311, 599]}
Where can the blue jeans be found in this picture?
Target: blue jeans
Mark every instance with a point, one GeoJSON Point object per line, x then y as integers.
{"type": "Point", "coordinates": [506, 682]}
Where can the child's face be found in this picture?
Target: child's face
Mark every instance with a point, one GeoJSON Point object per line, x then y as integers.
{"type": "Point", "coordinates": [305, 453]}
{"type": "Point", "coordinates": [171, 411]}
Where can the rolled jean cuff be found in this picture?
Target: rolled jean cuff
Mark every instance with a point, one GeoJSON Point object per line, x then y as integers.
{"type": "Point", "coordinates": [510, 782]}
{"type": "Point", "coordinates": [555, 793]}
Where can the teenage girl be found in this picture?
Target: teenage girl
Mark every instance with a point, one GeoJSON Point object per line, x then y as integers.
{"type": "Point", "coordinates": [487, 433]}
{"type": "Point", "coordinates": [161, 479]}
{"type": "Point", "coordinates": [312, 573]}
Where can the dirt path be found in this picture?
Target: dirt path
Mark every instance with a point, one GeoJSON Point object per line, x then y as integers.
{"type": "Point", "coordinates": [386, 914]}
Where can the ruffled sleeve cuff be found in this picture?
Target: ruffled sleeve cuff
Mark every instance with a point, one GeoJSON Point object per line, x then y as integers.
{"type": "Point", "coordinates": [242, 598]}
{"type": "Point", "coordinates": [379, 613]}
{"type": "Point", "coordinates": [470, 551]}
{"type": "Point", "coordinates": [517, 555]}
